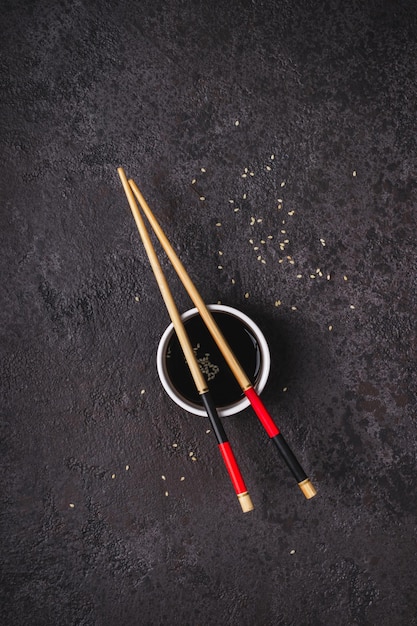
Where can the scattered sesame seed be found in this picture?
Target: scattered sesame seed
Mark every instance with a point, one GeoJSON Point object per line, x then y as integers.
{"type": "Point", "coordinates": [259, 220]}
{"type": "Point", "coordinates": [259, 257]}
{"type": "Point", "coordinates": [250, 240]}
{"type": "Point", "coordinates": [191, 454]}
{"type": "Point", "coordinates": [246, 295]}
{"type": "Point", "coordinates": [270, 237]}
{"type": "Point", "coordinates": [245, 196]}
{"type": "Point", "coordinates": [182, 478]}
{"type": "Point", "coordinates": [328, 276]}
{"type": "Point", "coordinates": [299, 275]}
{"type": "Point", "coordinates": [286, 241]}
{"type": "Point", "coordinates": [272, 157]}
{"type": "Point", "coordinates": [137, 298]}
{"type": "Point", "coordinates": [244, 176]}
{"type": "Point", "coordinates": [231, 201]}
{"type": "Point", "coordinates": [330, 327]}
{"type": "Point", "coordinates": [203, 169]}
{"type": "Point", "coordinates": [263, 241]}
{"type": "Point", "coordinates": [312, 275]}
{"type": "Point", "coordinates": [220, 267]}
{"type": "Point", "coordinates": [236, 209]}
{"type": "Point", "coordinates": [193, 182]}
{"type": "Point", "coordinates": [193, 458]}
{"type": "Point", "coordinates": [323, 243]}
{"type": "Point", "coordinates": [142, 391]}
{"type": "Point", "coordinates": [281, 261]}
{"type": "Point", "coordinates": [237, 123]}
{"type": "Point", "coordinates": [354, 173]}
{"type": "Point", "coordinates": [285, 389]}
{"type": "Point", "coordinates": [163, 477]}
{"type": "Point", "coordinates": [71, 505]}
{"type": "Point", "coordinates": [208, 431]}
{"type": "Point", "coordinates": [202, 198]}
{"type": "Point", "coordinates": [113, 476]}
{"type": "Point", "coordinates": [291, 212]}
{"type": "Point", "coordinates": [251, 173]}
{"type": "Point", "coordinates": [292, 262]}
{"type": "Point", "coordinates": [246, 170]}
{"type": "Point", "coordinates": [256, 247]}
{"type": "Point", "coordinates": [280, 200]}
{"type": "Point", "coordinates": [268, 168]}
{"type": "Point", "coordinates": [218, 223]}
{"type": "Point", "coordinates": [263, 261]}
{"type": "Point", "coordinates": [283, 232]}
{"type": "Point", "coordinates": [283, 183]}
{"type": "Point", "coordinates": [166, 493]}
{"type": "Point", "coordinates": [345, 277]}
{"type": "Point", "coordinates": [252, 221]}
{"type": "Point", "coordinates": [279, 206]}
{"type": "Point", "coordinates": [352, 306]}
{"type": "Point", "coordinates": [233, 281]}
{"type": "Point", "coordinates": [278, 303]}
{"type": "Point", "coordinates": [293, 308]}
{"type": "Point", "coordinates": [220, 252]}
{"type": "Point", "coordinates": [292, 552]}
{"type": "Point", "coordinates": [175, 445]}
{"type": "Point", "coordinates": [127, 468]}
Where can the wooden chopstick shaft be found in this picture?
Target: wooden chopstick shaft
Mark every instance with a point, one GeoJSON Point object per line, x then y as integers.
{"type": "Point", "coordinates": [207, 317]}
{"type": "Point", "coordinates": [183, 338]}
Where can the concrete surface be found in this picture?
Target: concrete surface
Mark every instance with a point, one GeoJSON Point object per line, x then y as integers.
{"type": "Point", "coordinates": [106, 519]}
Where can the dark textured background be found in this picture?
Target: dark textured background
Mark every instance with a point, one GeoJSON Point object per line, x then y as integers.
{"type": "Point", "coordinates": [329, 89]}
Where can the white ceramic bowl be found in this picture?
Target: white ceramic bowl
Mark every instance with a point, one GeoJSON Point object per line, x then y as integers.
{"type": "Point", "coordinates": [240, 404]}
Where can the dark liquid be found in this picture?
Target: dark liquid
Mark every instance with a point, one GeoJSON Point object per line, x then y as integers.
{"type": "Point", "coordinates": [222, 384]}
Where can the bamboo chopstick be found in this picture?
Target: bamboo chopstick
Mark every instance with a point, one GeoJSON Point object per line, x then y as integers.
{"type": "Point", "coordinates": [199, 380]}
{"type": "Point", "coordinates": [265, 418]}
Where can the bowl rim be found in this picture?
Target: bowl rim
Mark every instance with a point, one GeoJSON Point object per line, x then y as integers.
{"type": "Point", "coordinates": [240, 404]}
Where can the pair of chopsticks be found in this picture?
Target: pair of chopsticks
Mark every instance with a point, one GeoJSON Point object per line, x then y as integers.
{"type": "Point", "coordinates": [265, 418]}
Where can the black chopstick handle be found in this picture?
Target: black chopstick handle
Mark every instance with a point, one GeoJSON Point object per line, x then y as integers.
{"type": "Point", "coordinates": [299, 474]}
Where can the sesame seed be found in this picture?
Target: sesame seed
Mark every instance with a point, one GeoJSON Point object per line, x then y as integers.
{"type": "Point", "coordinates": [263, 261]}
{"type": "Point", "coordinates": [354, 173]}
{"type": "Point", "coordinates": [193, 458]}
{"type": "Point", "coordinates": [292, 262]}
{"type": "Point", "coordinates": [193, 182]}
{"type": "Point", "coordinates": [256, 248]}
{"type": "Point", "coordinates": [293, 308]}
{"type": "Point", "coordinates": [71, 505]}
{"type": "Point", "coordinates": [278, 303]}
{"type": "Point", "coordinates": [345, 277]}
{"type": "Point", "coordinates": [203, 169]}
{"type": "Point", "coordinates": [268, 168]}
{"type": "Point", "coordinates": [113, 476]}
{"type": "Point", "coordinates": [127, 468]}
{"type": "Point", "coordinates": [220, 252]}
{"type": "Point", "coordinates": [251, 173]}
{"type": "Point", "coordinates": [259, 257]}
{"type": "Point", "coordinates": [237, 123]}
{"type": "Point", "coordinates": [312, 275]}
{"type": "Point", "coordinates": [272, 157]}
{"type": "Point", "coordinates": [182, 478]}
{"type": "Point", "coordinates": [245, 196]}
{"type": "Point", "coordinates": [231, 201]}
{"type": "Point", "coordinates": [137, 298]}
{"type": "Point", "coordinates": [191, 454]}
{"type": "Point", "coordinates": [328, 277]}
{"type": "Point", "coordinates": [244, 176]}
{"type": "Point", "coordinates": [291, 212]}
{"type": "Point", "coordinates": [208, 431]}
{"type": "Point", "coordinates": [218, 223]}
{"type": "Point", "coordinates": [250, 240]}
{"type": "Point", "coordinates": [270, 237]}
{"type": "Point", "coordinates": [142, 391]}
{"type": "Point", "coordinates": [233, 281]}
{"type": "Point", "coordinates": [323, 243]}
{"type": "Point", "coordinates": [252, 221]}
{"type": "Point", "coordinates": [263, 241]}
{"type": "Point", "coordinates": [299, 275]}
{"type": "Point", "coordinates": [352, 306]}
{"type": "Point", "coordinates": [166, 493]}
{"type": "Point", "coordinates": [292, 552]}
{"type": "Point", "coordinates": [283, 183]}
{"type": "Point", "coordinates": [283, 232]}
{"type": "Point", "coordinates": [236, 209]}
{"type": "Point", "coordinates": [220, 267]}
{"type": "Point", "coordinates": [246, 295]}
{"type": "Point", "coordinates": [259, 220]}
{"type": "Point", "coordinates": [330, 327]}
{"type": "Point", "coordinates": [285, 389]}
{"type": "Point", "coordinates": [163, 477]}
{"type": "Point", "coordinates": [175, 445]}
{"type": "Point", "coordinates": [202, 198]}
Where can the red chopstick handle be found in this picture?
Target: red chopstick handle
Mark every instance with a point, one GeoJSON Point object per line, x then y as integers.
{"type": "Point", "coordinates": [261, 411]}
{"type": "Point", "coordinates": [227, 453]}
